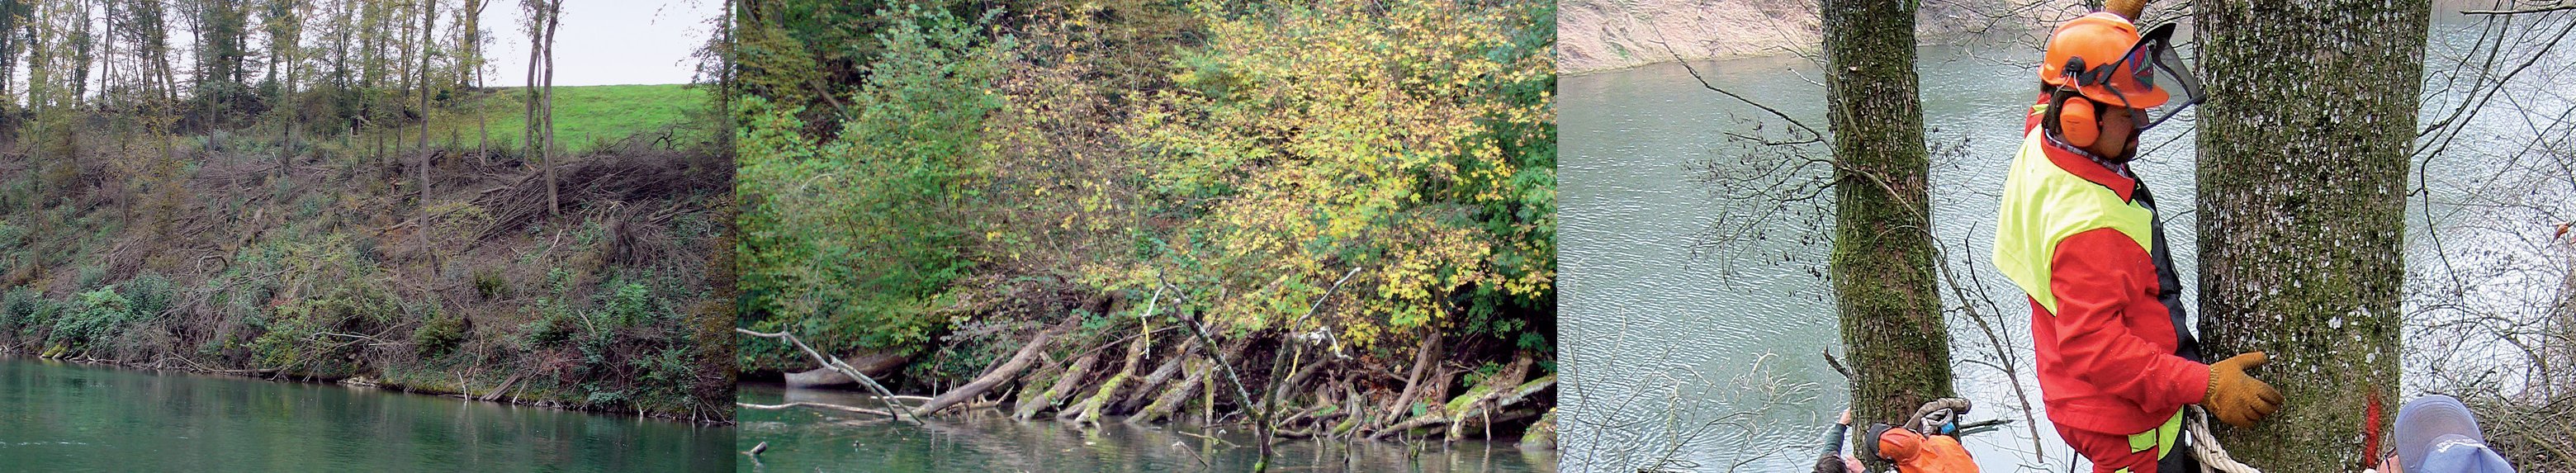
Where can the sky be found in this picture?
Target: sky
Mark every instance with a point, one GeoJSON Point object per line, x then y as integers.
{"type": "Point", "coordinates": [605, 42]}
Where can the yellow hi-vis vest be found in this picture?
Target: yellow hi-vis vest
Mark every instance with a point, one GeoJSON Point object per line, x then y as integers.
{"type": "Point", "coordinates": [2042, 205]}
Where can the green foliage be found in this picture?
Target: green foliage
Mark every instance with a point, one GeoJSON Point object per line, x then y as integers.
{"type": "Point", "coordinates": [857, 233]}
{"type": "Point", "coordinates": [438, 336]}
{"type": "Point", "coordinates": [24, 308]}
{"type": "Point", "coordinates": [1403, 149]}
{"type": "Point", "coordinates": [631, 304]}
{"type": "Point", "coordinates": [94, 316]}
{"type": "Point", "coordinates": [1373, 170]}
{"type": "Point", "coordinates": [489, 284]}
{"type": "Point", "coordinates": [148, 295]}
{"type": "Point", "coordinates": [341, 295]}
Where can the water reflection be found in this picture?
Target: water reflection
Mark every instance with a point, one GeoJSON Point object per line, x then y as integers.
{"type": "Point", "coordinates": [811, 440]}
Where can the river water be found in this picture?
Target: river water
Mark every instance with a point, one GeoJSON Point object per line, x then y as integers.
{"type": "Point", "coordinates": [1695, 311]}
{"type": "Point", "coordinates": [82, 418]}
{"type": "Point", "coordinates": [812, 440]}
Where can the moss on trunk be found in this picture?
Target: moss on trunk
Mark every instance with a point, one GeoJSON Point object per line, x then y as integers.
{"type": "Point", "coordinates": [1882, 258]}
{"type": "Point", "coordinates": [2304, 150]}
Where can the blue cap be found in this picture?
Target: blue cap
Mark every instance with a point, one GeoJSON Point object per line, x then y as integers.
{"type": "Point", "coordinates": [2436, 434]}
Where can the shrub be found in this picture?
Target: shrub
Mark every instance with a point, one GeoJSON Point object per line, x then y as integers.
{"type": "Point", "coordinates": [439, 336]}
{"type": "Point", "coordinates": [489, 284]}
{"type": "Point", "coordinates": [94, 316]}
{"type": "Point", "coordinates": [148, 294]}
{"type": "Point", "coordinates": [630, 304]}
{"type": "Point", "coordinates": [90, 276]}
{"type": "Point", "coordinates": [22, 306]}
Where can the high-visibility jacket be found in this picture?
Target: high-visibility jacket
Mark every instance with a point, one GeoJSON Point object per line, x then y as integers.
{"type": "Point", "coordinates": [2083, 242]}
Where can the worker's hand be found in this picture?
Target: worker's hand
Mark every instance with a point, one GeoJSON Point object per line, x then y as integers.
{"type": "Point", "coordinates": [2235, 398]}
{"type": "Point", "coordinates": [1845, 419]}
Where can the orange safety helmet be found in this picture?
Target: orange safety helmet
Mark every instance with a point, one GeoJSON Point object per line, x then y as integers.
{"type": "Point", "coordinates": [2084, 54]}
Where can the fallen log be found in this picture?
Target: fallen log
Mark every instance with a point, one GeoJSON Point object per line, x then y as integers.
{"type": "Point", "coordinates": [1495, 398]}
{"type": "Point", "coordinates": [504, 387]}
{"type": "Point", "coordinates": [1153, 383]}
{"type": "Point", "coordinates": [1088, 411]}
{"type": "Point", "coordinates": [883, 394]}
{"type": "Point", "coordinates": [871, 364]}
{"type": "Point", "coordinates": [1064, 386]}
{"type": "Point", "coordinates": [1170, 401]}
{"type": "Point", "coordinates": [998, 374]}
{"type": "Point", "coordinates": [1424, 359]}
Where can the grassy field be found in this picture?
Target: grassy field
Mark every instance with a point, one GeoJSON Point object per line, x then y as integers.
{"type": "Point", "coordinates": [586, 118]}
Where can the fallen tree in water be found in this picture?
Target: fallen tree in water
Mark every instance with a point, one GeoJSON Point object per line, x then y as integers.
{"type": "Point", "coordinates": [1149, 376]}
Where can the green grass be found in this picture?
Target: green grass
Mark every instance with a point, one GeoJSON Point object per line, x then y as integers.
{"type": "Point", "coordinates": [585, 117]}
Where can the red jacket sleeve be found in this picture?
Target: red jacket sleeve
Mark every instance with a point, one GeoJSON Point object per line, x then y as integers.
{"type": "Point", "coordinates": [2095, 276]}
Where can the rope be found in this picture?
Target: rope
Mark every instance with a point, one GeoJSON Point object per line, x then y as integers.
{"type": "Point", "coordinates": [2213, 458]}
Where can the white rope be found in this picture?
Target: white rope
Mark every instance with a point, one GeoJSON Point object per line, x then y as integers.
{"type": "Point", "coordinates": [2213, 458]}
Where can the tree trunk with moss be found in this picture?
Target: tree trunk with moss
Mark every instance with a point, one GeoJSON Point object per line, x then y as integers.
{"type": "Point", "coordinates": [1883, 254]}
{"type": "Point", "coordinates": [2304, 150]}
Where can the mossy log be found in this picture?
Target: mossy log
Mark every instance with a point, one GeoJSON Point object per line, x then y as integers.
{"type": "Point", "coordinates": [1487, 395]}
{"type": "Point", "coordinates": [999, 373]}
{"type": "Point", "coordinates": [1088, 411]}
{"type": "Point", "coordinates": [1064, 385]}
{"type": "Point", "coordinates": [1145, 390]}
{"type": "Point", "coordinates": [1171, 400]}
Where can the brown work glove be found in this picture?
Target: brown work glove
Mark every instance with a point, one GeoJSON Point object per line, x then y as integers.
{"type": "Point", "coordinates": [2235, 398]}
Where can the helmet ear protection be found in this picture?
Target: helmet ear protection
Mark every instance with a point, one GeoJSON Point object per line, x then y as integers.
{"type": "Point", "coordinates": [2076, 121]}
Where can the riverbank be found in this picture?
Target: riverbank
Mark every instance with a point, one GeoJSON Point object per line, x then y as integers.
{"type": "Point", "coordinates": [1267, 216]}
{"type": "Point", "coordinates": [313, 255]}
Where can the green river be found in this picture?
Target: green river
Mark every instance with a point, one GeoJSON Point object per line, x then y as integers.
{"type": "Point", "coordinates": [83, 418]}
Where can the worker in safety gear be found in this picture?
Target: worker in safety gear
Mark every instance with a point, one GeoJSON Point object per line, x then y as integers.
{"type": "Point", "coordinates": [2081, 236]}
{"type": "Point", "coordinates": [1928, 442]}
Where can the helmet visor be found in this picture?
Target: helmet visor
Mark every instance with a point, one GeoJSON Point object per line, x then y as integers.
{"type": "Point", "coordinates": [2153, 64]}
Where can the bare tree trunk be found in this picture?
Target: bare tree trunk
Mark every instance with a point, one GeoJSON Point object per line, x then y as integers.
{"type": "Point", "coordinates": [474, 59]}
{"type": "Point", "coordinates": [554, 21]}
{"type": "Point", "coordinates": [428, 23]}
{"type": "Point", "coordinates": [2302, 212]}
{"type": "Point", "coordinates": [536, 52]}
{"type": "Point", "coordinates": [1882, 265]}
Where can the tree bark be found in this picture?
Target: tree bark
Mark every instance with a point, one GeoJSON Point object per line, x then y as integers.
{"type": "Point", "coordinates": [998, 374]}
{"type": "Point", "coordinates": [2301, 212]}
{"type": "Point", "coordinates": [1063, 386]}
{"type": "Point", "coordinates": [1883, 254]}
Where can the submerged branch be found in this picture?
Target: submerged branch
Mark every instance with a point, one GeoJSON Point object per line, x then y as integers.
{"type": "Point", "coordinates": [882, 393]}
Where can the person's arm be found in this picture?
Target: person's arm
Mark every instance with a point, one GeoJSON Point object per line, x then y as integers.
{"type": "Point", "coordinates": [2093, 276]}
{"type": "Point", "coordinates": [1834, 434]}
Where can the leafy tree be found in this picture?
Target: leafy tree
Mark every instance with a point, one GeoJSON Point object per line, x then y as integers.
{"type": "Point", "coordinates": [857, 234]}
{"type": "Point", "coordinates": [1402, 149]}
